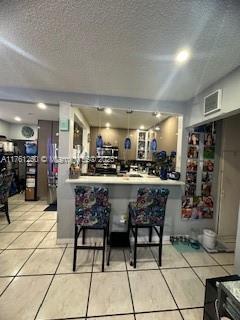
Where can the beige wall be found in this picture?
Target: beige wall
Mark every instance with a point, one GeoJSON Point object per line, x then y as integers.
{"type": "Point", "coordinates": [116, 138]}
{"type": "Point", "coordinates": [166, 137]}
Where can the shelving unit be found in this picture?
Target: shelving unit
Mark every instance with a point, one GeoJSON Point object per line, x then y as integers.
{"type": "Point", "coordinates": [31, 171]}
{"type": "Point", "coordinates": [144, 139]}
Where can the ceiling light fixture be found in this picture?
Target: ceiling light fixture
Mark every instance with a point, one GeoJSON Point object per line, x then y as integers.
{"type": "Point", "coordinates": [182, 56]}
{"type": "Point", "coordinates": [157, 128]}
{"type": "Point", "coordinates": [108, 110]}
{"type": "Point", "coordinates": [17, 119]}
{"type": "Point", "coordinates": [42, 106]}
{"type": "Point", "coordinates": [142, 127]}
{"type": "Point", "coordinates": [107, 125]}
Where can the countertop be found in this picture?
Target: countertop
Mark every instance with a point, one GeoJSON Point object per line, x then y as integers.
{"type": "Point", "coordinates": [145, 179]}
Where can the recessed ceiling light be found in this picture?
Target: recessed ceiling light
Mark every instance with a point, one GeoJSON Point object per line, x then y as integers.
{"type": "Point", "coordinates": [17, 119]}
{"type": "Point", "coordinates": [42, 106]}
{"type": "Point", "coordinates": [108, 110]}
{"type": "Point", "coordinates": [107, 125]}
{"type": "Point", "coordinates": [142, 127]}
{"type": "Point", "coordinates": [157, 128]}
{"type": "Point", "coordinates": [182, 56]}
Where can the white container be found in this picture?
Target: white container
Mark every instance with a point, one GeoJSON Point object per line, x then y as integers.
{"type": "Point", "coordinates": [209, 239]}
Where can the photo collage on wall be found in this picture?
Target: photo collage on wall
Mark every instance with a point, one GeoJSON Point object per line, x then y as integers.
{"type": "Point", "coordinates": [197, 203]}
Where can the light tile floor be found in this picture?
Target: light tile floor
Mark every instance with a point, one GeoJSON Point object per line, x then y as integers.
{"type": "Point", "coordinates": [37, 282]}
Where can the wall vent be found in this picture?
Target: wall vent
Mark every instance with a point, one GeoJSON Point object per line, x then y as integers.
{"type": "Point", "coordinates": [212, 102]}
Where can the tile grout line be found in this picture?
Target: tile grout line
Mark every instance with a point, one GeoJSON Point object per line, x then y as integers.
{"type": "Point", "coordinates": [53, 276]}
{"type": "Point", "coordinates": [159, 268]}
{"type": "Point", "coordinates": [129, 283]}
{"type": "Point", "coordinates": [90, 284]}
{"type": "Point", "coordinates": [192, 268]}
{"type": "Point", "coordinates": [34, 249]}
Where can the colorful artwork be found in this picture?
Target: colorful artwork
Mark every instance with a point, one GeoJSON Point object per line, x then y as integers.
{"type": "Point", "coordinates": [209, 139]}
{"type": "Point", "coordinates": [197, 203]}
{"type": "Point", "coordinates": [190, 189]}
{"type": "Point", "coordinates": [191, 177]}
{"type": "Point", "coordinates": [207, 176]}
{"type": "Point", "coordinates": [192, 165]}
{"type": "Point", "coordinates": [208, 165]}
{"type": "Point", "coordinates": [209, 152]}
{"type": "Point", "coordinates": [192, 152]}
{"type": "Point", "coordinates": [206, 189]}
{"type": "Point", "coordinates": [193, 138]}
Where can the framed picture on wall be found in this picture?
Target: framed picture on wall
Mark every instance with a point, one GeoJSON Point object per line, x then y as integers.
{"type": "Point", "coordinates": [192, 165]}
{"type": "Point", "coordinates": [208, 165]}
{"type": "Point", "coordinates": [193, 138]}
{"type": "Point", "coordinates": [209, 152]}
{"type": "Point", "coordinates": [192, 152]}
{"type": "Point", "coordinates": [209, 139]}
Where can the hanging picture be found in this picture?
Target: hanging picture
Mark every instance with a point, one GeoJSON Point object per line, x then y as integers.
{"type": "Point", "coordinates": [187, 203]}
{"type": "Point", "coordinates": [209, 152]}
{"type": "Point", "coordinates": [206, 189]}
{"type": "Point", "coordinates": [193, 138]}
{"type": "Point", "coordinates": [208, 165]}
{"type": "Point", "coordinates": [209, 139]}
{"type": "Point", "coordinates": [207, 176]}
{"type": "Point", "coordinates": [192, 152]}
{"type": "Point", "coordinates": [191, 177]}
{"type": "Point", "coordinates": [190, 189]}
{"type": "Point", "coordinates": [192, 165]}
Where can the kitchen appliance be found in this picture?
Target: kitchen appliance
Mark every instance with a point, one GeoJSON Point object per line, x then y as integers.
{"type": "Point", "coordinates": [106, 168]}
{"type": "Point", "coordinates": [108, 151]}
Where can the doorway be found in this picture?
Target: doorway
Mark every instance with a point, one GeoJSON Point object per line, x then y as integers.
{"type": "Point", "coordinates": [229, 179]}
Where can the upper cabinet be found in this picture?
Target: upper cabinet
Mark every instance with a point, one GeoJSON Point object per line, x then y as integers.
{"type": "Point", "coordinates": [143, 145]}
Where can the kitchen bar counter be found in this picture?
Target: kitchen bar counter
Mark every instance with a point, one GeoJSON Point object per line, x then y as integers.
{"type": "Point", "coordinates": [122, 189]}
{"type": "Point", "coordinates": [144, 180]}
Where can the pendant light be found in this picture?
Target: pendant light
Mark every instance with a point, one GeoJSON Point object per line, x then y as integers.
{"type": "Point", "coordinates": [127, 142]}
{"type": "Point", "coordinates": [99, 139]}
{"type": "Point", "coordinates": [153, 143]}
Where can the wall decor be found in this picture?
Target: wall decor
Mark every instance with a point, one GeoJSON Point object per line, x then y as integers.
{"type": "Point", "coordinates": [197, 202]}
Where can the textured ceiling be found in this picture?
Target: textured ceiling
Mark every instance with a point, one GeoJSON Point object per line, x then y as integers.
{"type": "Point", "coordinates": [118, 47]}
{"type": "Point", "coordinates": [29, 113]}
{"type": "Point", "coordinates": [119, 118]}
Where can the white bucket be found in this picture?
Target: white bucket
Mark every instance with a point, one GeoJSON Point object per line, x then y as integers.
{"type": "Point", "coordinates": [209, 239]}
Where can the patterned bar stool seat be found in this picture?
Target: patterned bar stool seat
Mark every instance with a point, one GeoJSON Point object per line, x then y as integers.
{"type": "Point", "coordinates": [5, 184]}
{"type": "Point", "coordinates": [148, 212]}
{"type": "Point", "coordinates": [92, 211]}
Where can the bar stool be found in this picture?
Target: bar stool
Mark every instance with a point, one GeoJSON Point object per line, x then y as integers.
{"type": "Point", "coordinates": [148, 212]}
{"type": "Point", "coordinates": [92, 211]}
{"type": "Point", "coordinates": [5, 184]}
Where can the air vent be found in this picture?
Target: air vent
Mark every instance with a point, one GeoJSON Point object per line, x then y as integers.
{"type": "Point", "coordinates": [212, 102]}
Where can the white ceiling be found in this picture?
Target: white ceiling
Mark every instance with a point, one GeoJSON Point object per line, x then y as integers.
{"type": "Point", "coordinates": [119, 118]}
{"type": "Point", "coordinates": [29, 113]}
{"type": "Point", "coordinates": [118, 48]}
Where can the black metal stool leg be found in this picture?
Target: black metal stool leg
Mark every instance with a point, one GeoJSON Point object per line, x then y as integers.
{"type": "Point", "coordinates": [109, 255]}
{"type": "Point", "coordinates": [7, 213]}
{"type": "Point", "coordinates": [104, 244]}
{"type": "Point", "coordinates": [83, 235]}
{"type": "Point", "coordinates": [160, 247]}
{"type": "Point", "coordinates": [135, 247]}
{"type": "Point", "coordinates": [75, 248]}
{"type": "Point", "coordinates": [150, 234]}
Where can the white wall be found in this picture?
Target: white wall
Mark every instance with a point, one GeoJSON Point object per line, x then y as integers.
{"type": "Point", "coordinates": [4, 128]}
{"type": "Point", "coordinates": [14, 131]}
{"type": "Point", "coordinates": [86, 129]}
{"type": "Point", "coordinates": [230, 86]}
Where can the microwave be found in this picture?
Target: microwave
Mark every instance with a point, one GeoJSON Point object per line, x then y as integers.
{"type": "Point", "coordinates": [108, 151]}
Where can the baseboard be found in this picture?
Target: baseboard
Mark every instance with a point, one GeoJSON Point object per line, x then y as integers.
{"type": "Point", "coordinates": [166, 240]}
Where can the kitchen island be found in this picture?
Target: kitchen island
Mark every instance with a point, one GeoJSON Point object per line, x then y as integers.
{"type": "Point", "coordinates": [122, 189]}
